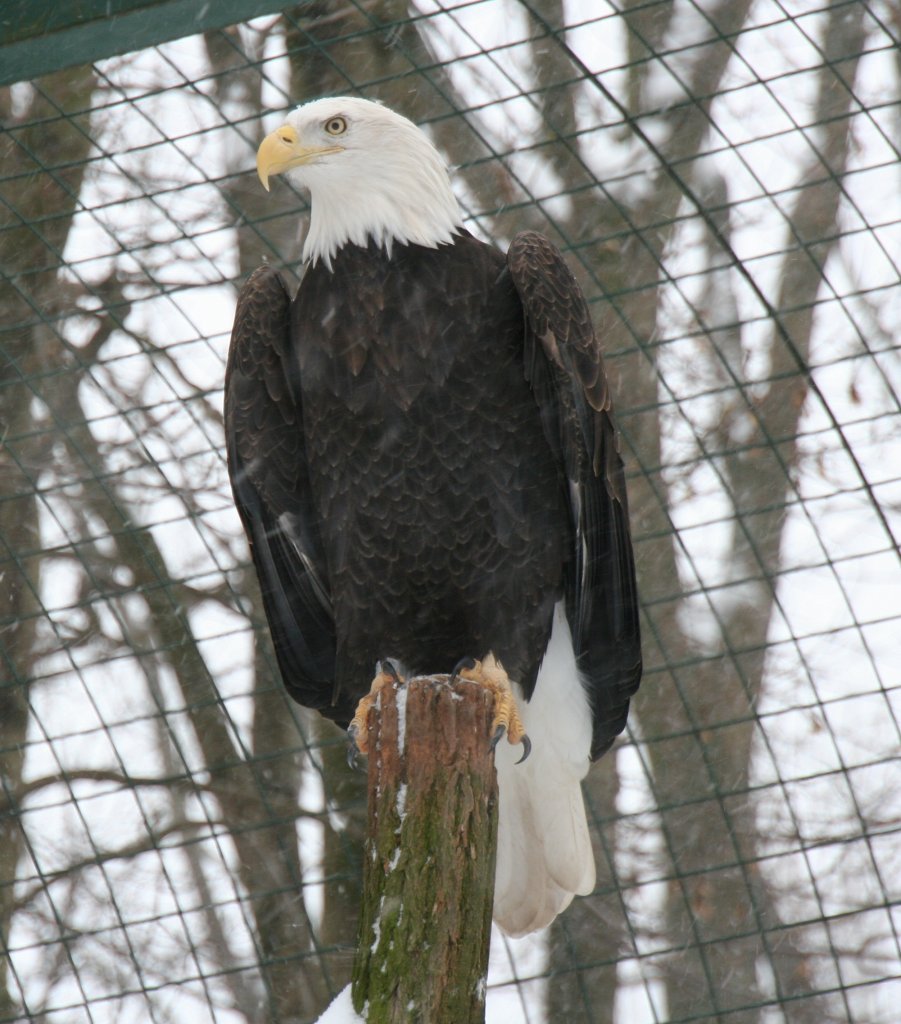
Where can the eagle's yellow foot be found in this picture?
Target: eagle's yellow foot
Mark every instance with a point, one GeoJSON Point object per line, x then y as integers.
{"type": "Point", "coordinates": [490, 673]}
{"type": "Point", "coordinates": [358, 730]}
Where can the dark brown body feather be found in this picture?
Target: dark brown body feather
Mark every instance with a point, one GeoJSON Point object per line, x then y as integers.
{"type": "Point", "coordinates": [422, 454]}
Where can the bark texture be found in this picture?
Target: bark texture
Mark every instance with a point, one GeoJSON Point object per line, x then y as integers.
{"type": "Point", "coordinates": [428, 880]}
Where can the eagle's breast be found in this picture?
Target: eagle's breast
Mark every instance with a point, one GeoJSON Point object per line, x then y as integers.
{"type": "Point", "coordinates": [440, 504]}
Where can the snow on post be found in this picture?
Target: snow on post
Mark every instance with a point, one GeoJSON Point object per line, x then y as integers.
{"type": "Point", "coordinates": [428, 876]}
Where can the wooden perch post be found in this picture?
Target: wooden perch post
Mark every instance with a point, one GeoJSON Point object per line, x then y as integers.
{"type": "Point", "coordinates": [428, 876]}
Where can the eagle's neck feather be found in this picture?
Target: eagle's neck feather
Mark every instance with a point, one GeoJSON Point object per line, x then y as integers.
{"type": "Point", "coordinates": [408, 201]}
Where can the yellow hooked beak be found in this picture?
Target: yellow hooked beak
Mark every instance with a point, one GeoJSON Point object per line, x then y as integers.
{"type": "Point", "coordinates": [281, 150]}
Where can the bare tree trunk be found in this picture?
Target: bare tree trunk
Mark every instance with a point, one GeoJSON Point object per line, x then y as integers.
{"type": "Point", "coordinates": [45, 168]}
{"type": "Point", "coordinates": [719, 910]}
{"type": "Point", "coordinates": [242, 986]}
{"type": "Point", "coordinates": [261, 803]}
{"type": "Point", "coordinates": [20, 580]}
{"type": "Point", "coordinates": [717, 919]}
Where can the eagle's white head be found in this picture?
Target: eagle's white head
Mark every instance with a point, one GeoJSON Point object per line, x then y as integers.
{"type": "Point", "coordinates": [371, 174]}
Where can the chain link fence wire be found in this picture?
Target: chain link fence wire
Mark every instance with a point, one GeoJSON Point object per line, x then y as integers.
{"type": "Point", "coordinates": [178, 841]}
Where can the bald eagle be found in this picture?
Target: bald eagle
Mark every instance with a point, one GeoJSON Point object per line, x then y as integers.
{"type": "Point", "coordinates": [422, 453]}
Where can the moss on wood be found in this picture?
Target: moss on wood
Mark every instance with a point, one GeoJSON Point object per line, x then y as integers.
{"type": "Point", "coordinates": [429, 866]}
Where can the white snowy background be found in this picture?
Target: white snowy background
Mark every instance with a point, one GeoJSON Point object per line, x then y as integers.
{"type": "Point", "coordinates": [832, 701]}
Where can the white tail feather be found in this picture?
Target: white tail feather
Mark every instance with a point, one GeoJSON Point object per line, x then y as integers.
{"type": "Point", "coordinates": [544, 854]}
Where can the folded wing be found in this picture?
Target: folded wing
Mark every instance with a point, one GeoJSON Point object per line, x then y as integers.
{"type": "Point", "coordinates": [267, 465]}
{"type": "Point", "coordinates": [565, 368]}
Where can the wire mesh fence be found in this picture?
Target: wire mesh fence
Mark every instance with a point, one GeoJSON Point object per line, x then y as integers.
{"type": "Point", "coordinates": [180, 842]}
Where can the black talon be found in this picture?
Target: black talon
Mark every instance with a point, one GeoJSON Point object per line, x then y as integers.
{"type": "Point", "coordinates": [353, 751]}
{"type": "Point", "coordinates": [466, 662]}
{"type": "Point", "coordinates": [387, 667]}
{"type": "Point", "coordinates": [498, 734]}
{"type": "Point", "coordinates": [526, 748]}
{"type": "Point", "coordinates": [526, 742]}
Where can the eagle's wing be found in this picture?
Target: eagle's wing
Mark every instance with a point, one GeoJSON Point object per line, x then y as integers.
{"type": "Point", "coordinates": [566, 371]}
{"type": "Point", "coordinates": [267, 465]}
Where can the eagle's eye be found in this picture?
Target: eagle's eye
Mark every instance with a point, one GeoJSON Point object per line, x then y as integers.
{"type": "Point", "coordinates": [336, 126]}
